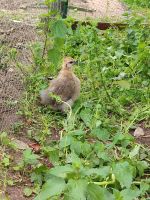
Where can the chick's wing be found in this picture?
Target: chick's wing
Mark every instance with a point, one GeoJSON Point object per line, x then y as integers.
{"type": "Point", "coordinates": [63, 87]}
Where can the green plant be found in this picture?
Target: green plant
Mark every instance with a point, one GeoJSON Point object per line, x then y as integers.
{"type": "Point", "coordinates": [93, 156]}
{"type": "Point", "coordinates": [142, 3]}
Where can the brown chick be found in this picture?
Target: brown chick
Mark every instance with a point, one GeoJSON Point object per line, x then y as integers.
{"type": "Point", "coordinates": [66, 86]}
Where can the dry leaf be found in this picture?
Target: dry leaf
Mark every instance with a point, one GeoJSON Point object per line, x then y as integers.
{"type": "Point", "coordinates": [35, 147]}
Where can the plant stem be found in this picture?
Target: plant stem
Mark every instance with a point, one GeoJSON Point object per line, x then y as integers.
{"type": "Point", "coordinates": [44, 49]}
{"type": "Point", "coordinates": [105, 88]}
{"type": "Point", "coordinates": [104, 183]}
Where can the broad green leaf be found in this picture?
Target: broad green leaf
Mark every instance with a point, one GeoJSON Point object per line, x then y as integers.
{"type": "Point", "coordinates": [96, 192]}
{"type": "Point", "coordinates": [78, 132]}
{"type": "Point", "coordinates": [54, 156]}
{"type": "Point", "coordinates": [134, 152]}
{"type": "Point", "coordinates": [119, 53]}
{"type": "Point", "coordinates": [29, 157]}
{"type": "Point", "coordinates": [59, 29]}
{"type": "Point", "coordinates": [144, 187]}
{"type": "Point", "coordinates": [101, 133]}
{"type": "Point", "coordinates": [102, 172]}
{"type": "Point", "coordinates": [141, 166]}
{"type": "Point", "coordinates": [81, 147]}
{"type": "Point", "coordinates": [61, 171]}
{"type": "Point", "coordinates": [86, 116]}
{"type": "Point", "coordinates": [66, 141]}
{"type": "Point", "coordinates": [124, 173]}
{"type": "Point", "coordinates": [58, 43]}
{"type": "Point", "coordinates": [117, 195]}
{"type": "Point", "coordinates": [129, 194]}
{"type": "Point", "coordinates": [27, 191]}
{"type": "Point", "coordinates": [74, 159]}
{"type": "Point", "coordinates": [118, 137]}
{"type": "Point", "coordinates": [77, 189]}
{"type": "Point", "coordinates": [123, 84]}
{"type": "Point", "coordinates": [53, 187]}
{"type": "Point", "coordinates": [54, 56]}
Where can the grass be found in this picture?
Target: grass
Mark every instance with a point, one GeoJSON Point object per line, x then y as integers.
{"type": "Point", "coordinates": [94, 155]}
{"type": "Point", "coordinates": [139, 8]}
{"type": "Point", "coordinates": [139, 3]}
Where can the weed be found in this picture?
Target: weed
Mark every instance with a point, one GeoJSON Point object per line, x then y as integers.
{"type": "Point", "coordinates": [144, 3]}
{"type": "Point", "coordinates": [95, 157]}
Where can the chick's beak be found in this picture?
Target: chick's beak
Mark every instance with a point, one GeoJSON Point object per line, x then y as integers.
{"type": "Point", "coordinates": [75, 62]}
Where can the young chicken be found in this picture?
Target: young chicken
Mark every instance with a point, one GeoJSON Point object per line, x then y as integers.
{"type": "Point", "coordinates": [66, 86]}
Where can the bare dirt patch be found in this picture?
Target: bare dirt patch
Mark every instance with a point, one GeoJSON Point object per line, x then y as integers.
{"type": "Point", "coordinates": [17, 4]}
{"type": "Point", "coordinates": [11, 88]}
{"type": "Point", "coordinates": [97, 9]}
{"type": "Point", "coordinates": [146, 138]}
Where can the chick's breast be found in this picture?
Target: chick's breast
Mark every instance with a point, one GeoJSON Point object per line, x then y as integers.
{"type": "Point", "coordinates": [64, 87]}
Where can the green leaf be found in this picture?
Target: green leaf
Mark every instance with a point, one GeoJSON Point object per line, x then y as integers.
{"type": "Point", "coordinates": [65, 141]}
{"type": "Point", "coordinates": [144, 187]}
{"type": "Point", "coordinates": [81, 147]}
{"type": "Point", "coordinates": [77, 189]}
{"type": "Point", "coordinates": [123, 173]}
{"type": "Point", "coordinates": [141, 166]}
{"type": "Point", "coordinates": [61, 171]}
{"type": "Point", "coordinates": [78, 132]}
{"type": "Point", "coordinates": [59, 29]}
{"type": "Point", "coordinates": [6, 161]}
{"type": "Point", "coordinates": [29, 157]}
{"type": "Point", "coordinates": [27, 191]}
{"type": "Point", "coordinates": [54, 56]}
{"type": "Point", "coordinates": [119, 53]}
{"type": "Point", "coordinates": [53, 187]}
{"type": "Point", "coordinates": [101, 133]}
{"type": "Point", "coordinates": [74, 159]}
{"type": "Point", "coordinates": [123, 84]}
{"type": "Point", "coordinates": [134, 152]}
{"type": "Point", "coordinates": [117, 195]}
{"type": "Point", "coordinates": [95, 192]}
{"type": "Point", "coordinates": [86, 116]}
{"type": "Point", "coordinates": [53, 156]}
{"type": "Point", "coordinates": [129, 194]}
{"type": "Point", "coordinates": [102, 172]}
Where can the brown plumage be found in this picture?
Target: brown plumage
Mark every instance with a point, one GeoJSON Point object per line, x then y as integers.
{"type": "Point", "coordinates": [66, 86]}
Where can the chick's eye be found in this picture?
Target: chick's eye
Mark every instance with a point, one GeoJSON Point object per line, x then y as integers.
{"type": "Point", "coordinates": [71, 62]}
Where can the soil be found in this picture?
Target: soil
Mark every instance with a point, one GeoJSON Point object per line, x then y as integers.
{"type": "Point", "coordinates": [97, 9]}
{"type": "Point", "coordinates": [18, 19]}
{"type": "Point", "coordinates": [145, 139]}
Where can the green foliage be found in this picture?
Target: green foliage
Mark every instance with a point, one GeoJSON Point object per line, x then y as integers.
{"type": "Point", "coordinates": [95, 157]}
{"type": "Point", "coordinates": [95, 193]}
{"type": "Point", "coordinates": [142, 3]}
{"type": "Point", "coordinates": [27, 191]}
{"type": "Point", "coordinates": [7, 56]}
{"type": "Point", "coordinates": [52, 187]}
{"type": "Point", "coordinates": [124, 174]}
{"type": "Point", "coordinates": [76, 190]}
{"type": "Point", "coordinates": [29, 157]}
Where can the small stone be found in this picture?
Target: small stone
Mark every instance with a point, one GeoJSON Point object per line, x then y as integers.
{"type": "Point", "coordinates": [138, 132]}
{"type": "Point", "coordinates": [10, 69]}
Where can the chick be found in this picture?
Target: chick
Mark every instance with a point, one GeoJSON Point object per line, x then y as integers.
{"type": "Point", "coordinates": [66, 86]}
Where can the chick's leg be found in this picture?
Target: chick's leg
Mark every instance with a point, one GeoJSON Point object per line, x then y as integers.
{"type": "Point", "coordinates": [66, 105]}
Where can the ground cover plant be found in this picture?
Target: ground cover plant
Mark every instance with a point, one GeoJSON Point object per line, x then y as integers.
{"type": "Point", "coordinates": [89, 153]}
{"type": "Point", "coordinates": [144, 3]}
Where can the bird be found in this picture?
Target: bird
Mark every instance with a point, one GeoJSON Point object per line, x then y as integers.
{"type": "Point", "coordinates": [63, 90]}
